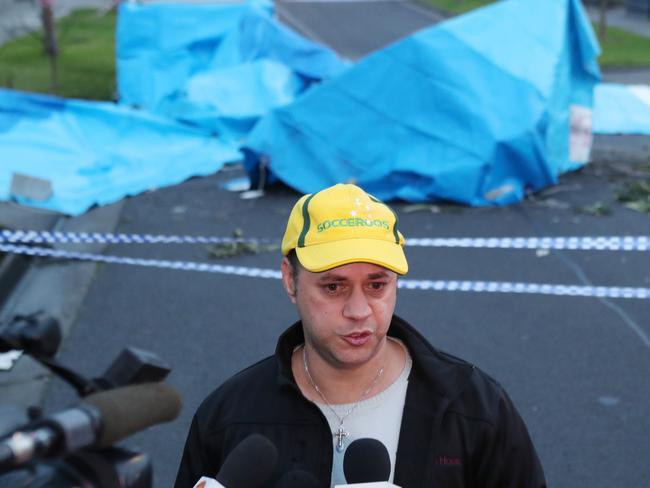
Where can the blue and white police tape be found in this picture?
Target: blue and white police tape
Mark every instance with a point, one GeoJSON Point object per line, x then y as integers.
{"type": "Point", "coordinates": [47, 237]}
{"type": "Point", "coordinates": [436, 285]}
{"type": "Point", "coordinates": [155, 263]}
{"type": "Point", "coordinates": [587, 243]}
{"type": "Point", "coordinates": [598, 243]}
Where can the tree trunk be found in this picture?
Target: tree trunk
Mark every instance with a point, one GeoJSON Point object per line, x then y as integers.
{"type": "Point", "coordinates": [50, 46]}
{"type": "Point", "coordinates": [602, 22]}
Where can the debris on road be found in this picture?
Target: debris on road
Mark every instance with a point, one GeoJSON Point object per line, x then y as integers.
{"type": "Point", "coordinates": [635, 195]}
{"type": "Point", "coordinates": [239, 248]}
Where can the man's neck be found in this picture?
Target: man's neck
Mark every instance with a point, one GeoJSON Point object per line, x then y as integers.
{"type": "Point", "coordinates": [341, 385]}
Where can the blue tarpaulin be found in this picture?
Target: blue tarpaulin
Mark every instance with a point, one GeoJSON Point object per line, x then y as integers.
{"type": "Point", "coordinates": [97, 152]}
{"type": "Point", "coordinates": [233, 65]}
{"type": "Point", "coordinates": [160, 45]}
{"type": "Point", "coordinates": [622, 109]}
{"type": "Point", "coordinates": [219, 67]}
{"type": "Point", "coordinates": [475, 110]}
{"type": "Point", "coordinates": [230, 101]}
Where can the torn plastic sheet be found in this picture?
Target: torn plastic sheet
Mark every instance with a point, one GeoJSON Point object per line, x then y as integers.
{"type": "Point", "coordinates": [478, 110]}
{"type": "Point", "coordinates": [230, 101]}
{"type": "Point", "coordinates": [224, 74]}
{"type": "Point", "coordinates": [97, 152]}
{"type": "Point", "coordinates": [622, 109]}
{"type": "Point", "coordinates": [160, 45]}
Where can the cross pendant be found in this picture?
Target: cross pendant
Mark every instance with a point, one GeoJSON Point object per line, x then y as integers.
{"type": "Point", "coordinates": [340, 435]}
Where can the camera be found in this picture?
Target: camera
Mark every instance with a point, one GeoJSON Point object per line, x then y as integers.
{"type": "Point", "coordinates": [75, 447]}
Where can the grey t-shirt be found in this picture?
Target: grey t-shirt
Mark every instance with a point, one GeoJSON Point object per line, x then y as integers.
{"type": "Point", "coordinates": [378, 417]}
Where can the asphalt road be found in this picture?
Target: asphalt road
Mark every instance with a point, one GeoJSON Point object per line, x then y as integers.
{"type": "Point", "coordinates": [354, 29]}
{"type": "Point", "coordinates": [576, 367]}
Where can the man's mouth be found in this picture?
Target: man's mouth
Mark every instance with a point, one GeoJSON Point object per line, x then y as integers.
{"type": "Point", "coordinates": [357, 338]}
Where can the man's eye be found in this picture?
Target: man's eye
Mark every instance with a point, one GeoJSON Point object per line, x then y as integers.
{"type": "Point", "coordinates": [332, 287]}
{"type": "Point", "coordinates": [377, 285]}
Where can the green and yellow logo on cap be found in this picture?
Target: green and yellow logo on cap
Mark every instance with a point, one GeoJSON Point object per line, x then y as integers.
{"type": "Point", "coordinates": [351, 222]}
{"type": "Point", "coordinates": [344, 224]}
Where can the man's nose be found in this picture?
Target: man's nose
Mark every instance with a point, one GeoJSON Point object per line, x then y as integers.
{"type": "Point", "coordinates": [357, 306]}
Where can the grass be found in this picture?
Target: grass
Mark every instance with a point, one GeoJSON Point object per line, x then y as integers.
{"type": "Point", "coordinates": [619, 48]}
{"type": "Point", "coordinates": [458, 6]}
{"type": "Point", "coordinates": [622, 48]}
{"type": "Point", "coordinates": [86, 62]}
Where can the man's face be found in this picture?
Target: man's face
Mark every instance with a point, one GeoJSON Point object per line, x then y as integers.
{"type": "Point", "coordinates": [345, 311]}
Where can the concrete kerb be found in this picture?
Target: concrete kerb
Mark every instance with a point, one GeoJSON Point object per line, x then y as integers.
{"type": "Point", "coordinates": [58, 288]}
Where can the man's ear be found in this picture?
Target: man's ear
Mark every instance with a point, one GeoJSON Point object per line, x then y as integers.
{"type": "Point", "coordinates": [288, 280]}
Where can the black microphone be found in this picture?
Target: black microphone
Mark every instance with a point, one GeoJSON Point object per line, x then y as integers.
{"type": "Point", "coordinates": [101, 420]}
{"type": "Point", "coordinates": [37, 334]}
{"type": "Point", "coordinates": [366, 461]}
{"type": "Point", "coordinates": [298, 478]}
{"type": "Point", "coordinates": [250, 464]}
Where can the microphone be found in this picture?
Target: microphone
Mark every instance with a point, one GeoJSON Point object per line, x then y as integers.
{"type": "Point", "coordinates": [366, 464]}
{"type": "Point", "coordinates": [298, 478]}
{"type": "Point", "coordinates": [103, 419]}
{"type": "Point", "coordinates": [37, 334]}
{"type": "Point", "coordinates": [237, 471]}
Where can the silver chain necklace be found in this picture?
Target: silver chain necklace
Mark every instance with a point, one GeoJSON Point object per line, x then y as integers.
{"type": "Point", "coordinates": [340, 433]}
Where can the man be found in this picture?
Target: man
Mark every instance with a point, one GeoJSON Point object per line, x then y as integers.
{"type": "Point", "coordinates": [351, 369]}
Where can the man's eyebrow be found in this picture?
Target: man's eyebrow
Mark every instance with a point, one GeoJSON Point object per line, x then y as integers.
{"type": "Point", "coordinates": [331, 277]}
{"type": "Point", "coordinates": [381, 274]}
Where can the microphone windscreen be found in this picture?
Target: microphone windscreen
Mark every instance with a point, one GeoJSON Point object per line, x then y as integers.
{"type": "Point", "coordinates": [130, 409]}
{"type": "Point", "coordinates": [366, 461]}
{"type": "Point", "coordinates": [298, 478]}
{"type": "Point", "coordinates": [250, 464]}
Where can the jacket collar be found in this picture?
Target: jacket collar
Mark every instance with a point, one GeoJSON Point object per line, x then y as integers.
{"type": "Point", "coordinates": [288, 341]}
{"type": "Point", "coordinates": [446, 374]}
{"type": "Point", "coordinates": [436, 380]}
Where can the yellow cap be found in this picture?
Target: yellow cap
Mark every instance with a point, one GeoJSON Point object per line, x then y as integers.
{"type": "Point", "coordinates": [343, 224]}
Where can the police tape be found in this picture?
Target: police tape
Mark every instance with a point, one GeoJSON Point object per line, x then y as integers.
{"type": "Point", "coordinates": [587, 243]}
{"type": "Point", "coordinates": [435, 285]}
{"type": "Point", "coordinates": [155, 263]}
{"type": "Point", "coordinates": [599, 243]}
{"type": "Point", "coordinates": [47, 237]}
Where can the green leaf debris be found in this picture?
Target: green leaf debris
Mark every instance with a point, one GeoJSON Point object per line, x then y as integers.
{"type": "Point", "coordinates": [239, 247]}
{"type": "Point", "coordinates": [635, 195]}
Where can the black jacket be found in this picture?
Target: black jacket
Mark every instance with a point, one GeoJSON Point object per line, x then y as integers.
{"type": "Point", "coordinates": [459, 428]}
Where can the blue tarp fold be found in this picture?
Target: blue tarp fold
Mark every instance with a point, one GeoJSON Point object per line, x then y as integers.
{"type": "Point", "coordinates": [622, 109]}
{"type": "Point", "coordinates": [476, 110]}
{"type": "Point", "coordinates": [160, 45]}
{"type": "Point", "coordinates": [223, 75]}
{"type": "Point", "coordinates": [231, 100]}
{"type": "Point", "coordinates": [96, 152]}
